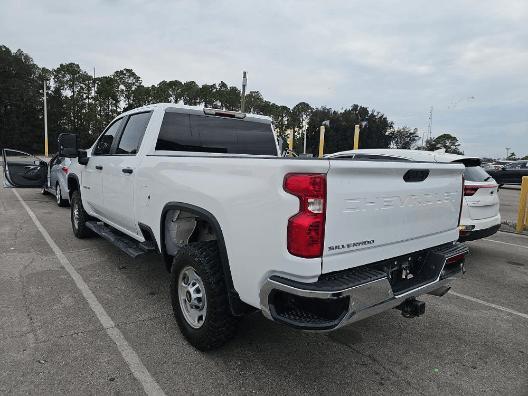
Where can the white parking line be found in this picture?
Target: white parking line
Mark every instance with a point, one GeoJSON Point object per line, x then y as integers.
{"type": "Point", "coordinates": [130, 356]}
{"type": "Point", "coordinates": [506, 243]}
{"type": "Point", "coordinates": [522, 315]}
{"type": "Point", "coordinates": [513, 234]}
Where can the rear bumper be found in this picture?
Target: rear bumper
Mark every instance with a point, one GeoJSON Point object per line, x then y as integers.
{"type": "Point", "coordinates": [352, 295]}
{"type": "Point", "coordinates": [478, 234]}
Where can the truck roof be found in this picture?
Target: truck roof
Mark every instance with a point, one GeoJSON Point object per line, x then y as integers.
{"type": "Point", "coordinates": [195, 110]}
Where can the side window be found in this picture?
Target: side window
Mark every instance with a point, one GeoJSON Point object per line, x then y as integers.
{"type": "Point", "coordinates": [133, 133]}
{"type": "Point", "coordinates": [104, 144]}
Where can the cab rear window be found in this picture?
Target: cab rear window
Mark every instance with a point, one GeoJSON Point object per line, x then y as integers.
{"type": "Point", "coordinates": [476, 174]}
{"type": "Point", "coordinates": [211, 134]}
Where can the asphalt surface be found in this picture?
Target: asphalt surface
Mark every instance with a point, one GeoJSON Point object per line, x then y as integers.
{"type": "Point", "coordinates": [509, 202]}
{"type": "Point", "coordinates": [51, 342]}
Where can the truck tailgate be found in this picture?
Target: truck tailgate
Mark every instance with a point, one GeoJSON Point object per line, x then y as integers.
{"type": "Point", "coordinates": [377, 210]}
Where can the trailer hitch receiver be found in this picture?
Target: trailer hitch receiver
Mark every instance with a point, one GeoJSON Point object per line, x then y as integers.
{"type": "Point", "coordinates": [411, 308]}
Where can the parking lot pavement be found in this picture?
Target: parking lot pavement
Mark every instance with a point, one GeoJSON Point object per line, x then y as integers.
{"type": "Point", "coordinates": [471, 342]}
{"type": "Point", "coordinates": [509, 203]}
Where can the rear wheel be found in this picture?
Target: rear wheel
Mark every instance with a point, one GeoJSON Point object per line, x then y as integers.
{"type": "Point", "coordinates": [58, 196]}
{"type": "Point", "coordinates": [79, 217]}
{"type": "Point", "coordinates": [199, 296]}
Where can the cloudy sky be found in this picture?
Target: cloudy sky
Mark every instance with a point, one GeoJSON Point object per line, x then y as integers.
{"type": "Point", "coordinates": [467, 59]}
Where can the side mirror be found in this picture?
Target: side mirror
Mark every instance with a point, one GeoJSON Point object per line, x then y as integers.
{"type": "Point", "coordinates": [83, 157]}
{"type": "Point", "coordinates": [68, 145]}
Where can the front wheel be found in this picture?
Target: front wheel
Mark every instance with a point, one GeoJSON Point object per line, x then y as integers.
{"type": "Point", "coordinates": [199, 296]}
{"type": "Point", "coordinates": [58, 197]}
{"type": "Point", "coordinates": [79, 217]}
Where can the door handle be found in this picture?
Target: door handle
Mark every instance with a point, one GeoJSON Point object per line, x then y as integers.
{"type": "Point", "coordinates": [127, 170]}
{"type": "Point", "coordinates": [99, 167]}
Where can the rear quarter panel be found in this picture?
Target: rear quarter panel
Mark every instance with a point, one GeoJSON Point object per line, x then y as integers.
{"type": "Point", "coordinates": [246, 197]}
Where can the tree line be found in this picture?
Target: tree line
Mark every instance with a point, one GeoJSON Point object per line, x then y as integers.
{"type": "Point", "coordinates": [78, 102]}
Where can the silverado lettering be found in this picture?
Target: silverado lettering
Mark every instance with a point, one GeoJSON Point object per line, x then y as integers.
{"type": "Point", "coordinates": [351, 245]}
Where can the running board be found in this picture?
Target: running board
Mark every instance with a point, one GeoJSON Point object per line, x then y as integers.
{"type": "Point", "coordinates": [128, 245]}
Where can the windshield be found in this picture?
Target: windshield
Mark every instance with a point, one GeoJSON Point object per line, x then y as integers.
{"type": "Point", "coordinates": [476, 174]}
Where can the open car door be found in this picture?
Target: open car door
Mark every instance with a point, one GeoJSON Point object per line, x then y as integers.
{"type": "Point", "coordinates": [23, 170]}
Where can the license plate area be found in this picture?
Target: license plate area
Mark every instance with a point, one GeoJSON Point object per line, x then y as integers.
{"type": "Point", "coordinates": [410, 271]}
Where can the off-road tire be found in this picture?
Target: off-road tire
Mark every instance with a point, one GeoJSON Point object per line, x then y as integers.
{"type": "Point", "coordinates": [219, 325]}
{"type": "Point", "coordinates": [80, 231]}
{"type": "Point", "coordinates": [60, 202]}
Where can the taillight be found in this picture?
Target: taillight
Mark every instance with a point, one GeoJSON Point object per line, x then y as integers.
{"type": "Point", "coordinates": [455, 259]}
{"type": "Point", "coordinates": [470, 190]}
{"type": "Point", "coordinates": [65, 169]}
{"type": "Point", "coordinates": [461, 200]}
{"type": "Point", "coordinates": [306, 228]}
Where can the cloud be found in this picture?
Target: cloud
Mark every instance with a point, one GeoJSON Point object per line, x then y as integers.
{"type": "Point", "coordinates": [399, 58]}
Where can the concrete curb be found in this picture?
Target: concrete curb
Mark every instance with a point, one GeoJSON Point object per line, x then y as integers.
{"type": "Point", "coordinates": [509, 226]}
{"type": "Point", "coordinates": [510, 187]}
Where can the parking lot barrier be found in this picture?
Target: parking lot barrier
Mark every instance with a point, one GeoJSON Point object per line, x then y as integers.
{"type": "Point", "coordinates": [521, 215]}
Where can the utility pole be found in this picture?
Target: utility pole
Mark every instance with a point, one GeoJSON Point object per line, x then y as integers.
{"type": "Point", "coordinates": [243, 96]}
{"type": "Point", "coordinates": [507, 152]}
{"type": "Point", "coordinates": [430, 127]}
{"type": "Point", "coordinates": [45, 122]}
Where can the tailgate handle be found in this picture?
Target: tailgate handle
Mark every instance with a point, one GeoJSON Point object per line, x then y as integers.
{"type": "Point", "coordinates": [415, 175]}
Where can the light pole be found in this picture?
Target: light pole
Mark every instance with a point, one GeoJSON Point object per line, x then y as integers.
{"type": "Point", "coordinates": [45, 123]}
{"type": "Point", "coordinates": [357, 128]}
{"type": "Point", "coordinates": [322, 137]}
{"type": "Point", "coordinates": [243, 96]}
{"type": "Point", "coordinates": [304, 150]}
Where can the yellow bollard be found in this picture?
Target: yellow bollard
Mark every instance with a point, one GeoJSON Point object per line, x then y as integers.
{"type": "Point", "coordinates": [290, 140]}
{"type": "Point", "coordinates": [521, 216]}
{"type": "Point", "coordinates": [321, 140]}
{"type": "Point", "coordinates": [356, 137]}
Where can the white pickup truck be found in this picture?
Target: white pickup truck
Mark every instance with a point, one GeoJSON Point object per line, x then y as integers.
{"type": "Point", "coordinates": [313, 243]}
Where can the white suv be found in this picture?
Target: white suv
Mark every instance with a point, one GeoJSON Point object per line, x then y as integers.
{"type": "Point", "coordinates": [480, 212]}
{"type": "Point", "coordinates": [480, 215]}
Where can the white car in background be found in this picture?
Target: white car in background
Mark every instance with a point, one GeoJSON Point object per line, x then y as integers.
{"type": "Point", "coordinates": [56, 182]}
{"type": "Point", "coordinates": [480, 215]}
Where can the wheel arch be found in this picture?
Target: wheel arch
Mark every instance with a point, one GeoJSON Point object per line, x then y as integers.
{"type": "Point", "coordinates": [238, 307]}
{"type": "Point", "coordinates": [73, 184]}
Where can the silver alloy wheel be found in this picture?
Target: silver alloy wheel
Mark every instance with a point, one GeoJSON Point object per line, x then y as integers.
{"type": "Point", "coordinates": [191, 294]}
{"type": "Point", "coordinates": [75, 210]}
{"type": "Point", "coordinates": [58, 194]}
